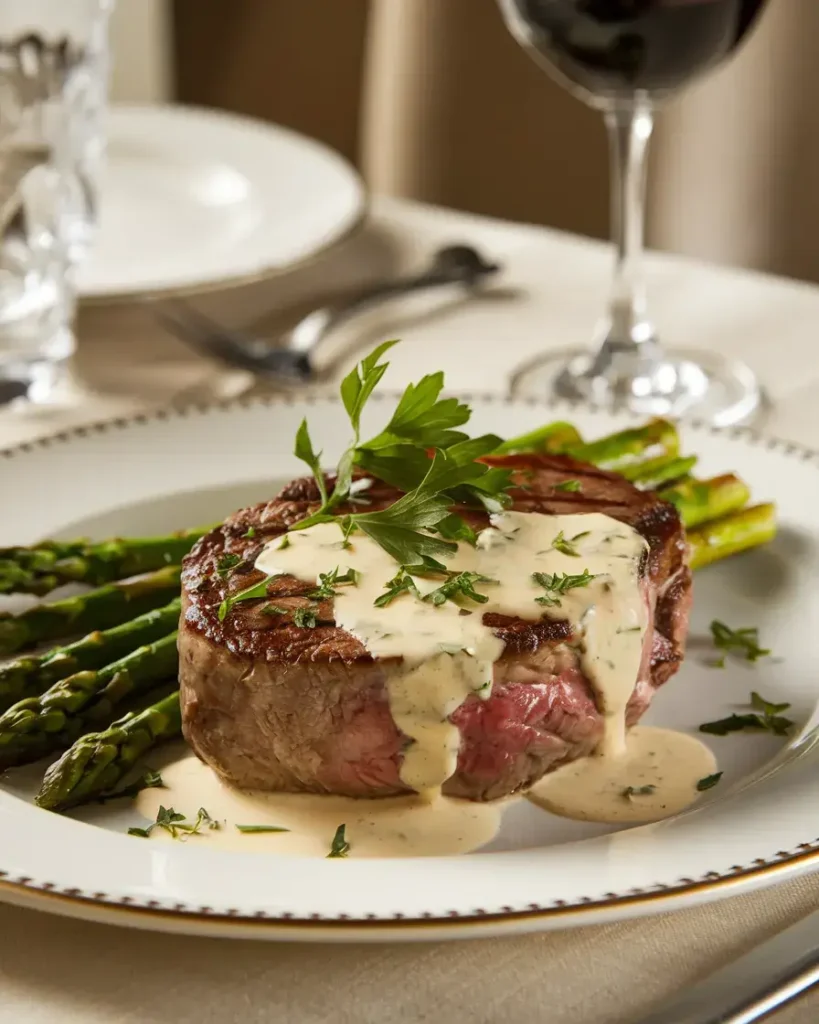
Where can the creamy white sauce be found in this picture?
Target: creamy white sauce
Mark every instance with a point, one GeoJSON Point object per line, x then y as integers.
{"type": "Point", "coordinates": [408, 826]}
{"type": "Point", "coordinates": [443, 655]}
{"type": "Point", "coordinates": [656, 776]}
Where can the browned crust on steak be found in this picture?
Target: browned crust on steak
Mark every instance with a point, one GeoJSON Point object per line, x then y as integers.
{"type": "Point", "coordinates": [246, 632]}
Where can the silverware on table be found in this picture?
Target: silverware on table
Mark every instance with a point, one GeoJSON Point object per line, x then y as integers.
{"type": "Point", "coordinates": [289, 358]}
{"type": "Point", "coordinates": [752, 986]}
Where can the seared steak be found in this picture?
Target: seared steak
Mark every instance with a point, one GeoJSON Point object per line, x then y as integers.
{"type": "Point", "coordinates": [271, 705]}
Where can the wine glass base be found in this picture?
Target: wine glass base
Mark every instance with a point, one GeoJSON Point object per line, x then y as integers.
{"type": "Point", "coordinates": [702, 385]}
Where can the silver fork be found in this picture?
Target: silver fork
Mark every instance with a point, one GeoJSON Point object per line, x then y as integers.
{"type": "Point", "coordinates": [289, 358]}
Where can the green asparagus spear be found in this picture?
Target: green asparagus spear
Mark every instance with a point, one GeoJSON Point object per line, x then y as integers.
{"type": "Point", "coordinates": [99, 761]}
{"type": "Point", "coordinates": [653, 473]}
{"type": "Point", "coordinates": [553, 437]}
{"type": "Point", "coordinates": [31, 675]}
{"type": "Point", "coordinates": [731, 535]}
{"type": "Point", "coordinates": [618, 451]}
{"type": "Point", "coordinates": [39, 569]}
{"type": "Point", "coordinates": [34, 727]}
{"type": "Point", "coordinates": [109, 606]}
{"type": "Point", "coordinates": [700, 501]}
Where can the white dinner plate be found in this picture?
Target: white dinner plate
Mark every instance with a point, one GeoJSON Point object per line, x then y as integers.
{"type": "Point", "coordinates": [196, 199]}
{"type": "Point", "coordinates": [756, 827]}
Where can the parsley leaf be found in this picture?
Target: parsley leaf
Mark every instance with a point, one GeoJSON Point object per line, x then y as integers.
{"type": "Point", "coordinates": [339, 846]}
{"type": "Point", "coordinates": [249, 594]}
{"type": "Point", "coordinates": [361, 381]}
{"type": "Point", "coordinates": [422, 419]}
{"type": "Point", "coordinates": [273, 609]}
{"type": "Point", "coordinates": [572, 486]}
{"type": "Point", "coordinates": [708, 782]}
{"type": "Point", "coordinates": [396, 528]}
{"type": "Point", "coordinates": [559, 583]}
{"type": "Point", "coordinates": [304, 451]}
{"type": "Point", "coordinates": [250, 533]}
{"type": "Point", "coordinates": [455, 528]}
{"type": "Point", "coordinates": [743, 643]}
{"type": "Point", "coordinates": [305, 618]}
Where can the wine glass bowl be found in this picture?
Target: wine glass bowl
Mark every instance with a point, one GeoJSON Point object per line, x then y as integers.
{"type": "Point", "coordinates": [623, 57]}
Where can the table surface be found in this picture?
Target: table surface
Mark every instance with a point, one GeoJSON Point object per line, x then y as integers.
{"type": "Point", "coordinates": [55, 971]}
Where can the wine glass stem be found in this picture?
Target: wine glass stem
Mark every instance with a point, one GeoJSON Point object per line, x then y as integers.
{"type": "Point", "coordinates": [629, 128]}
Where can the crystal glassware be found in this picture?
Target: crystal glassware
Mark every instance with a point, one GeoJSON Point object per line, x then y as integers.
{"type": "Point", "coordinates": [53, 88]}
{"type": "Point", "coordinates": [624, 57]}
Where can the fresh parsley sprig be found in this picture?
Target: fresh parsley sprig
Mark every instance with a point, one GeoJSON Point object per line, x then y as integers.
{"type": "Point", "coordinates": [419, 451]}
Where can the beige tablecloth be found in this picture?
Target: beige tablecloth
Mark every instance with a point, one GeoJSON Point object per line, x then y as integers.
{"type": "Point", "coordinates": [56, 971]}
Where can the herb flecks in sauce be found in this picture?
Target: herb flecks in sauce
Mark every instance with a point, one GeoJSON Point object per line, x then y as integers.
{"type": "Point", "coordinates": [632, 791]}
{"type": "Point", "coordinates": [655, 776]}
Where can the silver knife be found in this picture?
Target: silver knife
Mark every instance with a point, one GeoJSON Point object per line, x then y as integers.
{"type": "Point", "coordinates": [752, 986]}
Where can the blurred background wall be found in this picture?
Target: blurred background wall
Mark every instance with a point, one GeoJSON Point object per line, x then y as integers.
{"type": "Point", "coordinates": [433, 100]}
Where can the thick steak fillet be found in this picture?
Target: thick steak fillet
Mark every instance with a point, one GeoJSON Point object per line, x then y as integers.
{"type": "Point", "coordinates": [273, 706]}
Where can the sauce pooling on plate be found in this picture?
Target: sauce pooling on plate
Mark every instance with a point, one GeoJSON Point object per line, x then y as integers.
{"type": "Point", "coordinates": [655, 776]}
{"type": "Point", "coordinates": [404, 826]}
{"type": "Point", "coordinates": [584, 569]}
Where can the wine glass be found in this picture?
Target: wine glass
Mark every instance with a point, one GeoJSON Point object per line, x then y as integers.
{"type": "Point", "coordinates": [623, 57]}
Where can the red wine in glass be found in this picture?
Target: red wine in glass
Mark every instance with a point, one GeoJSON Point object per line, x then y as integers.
{"type": "Point", "coordinates": [625, 56]}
